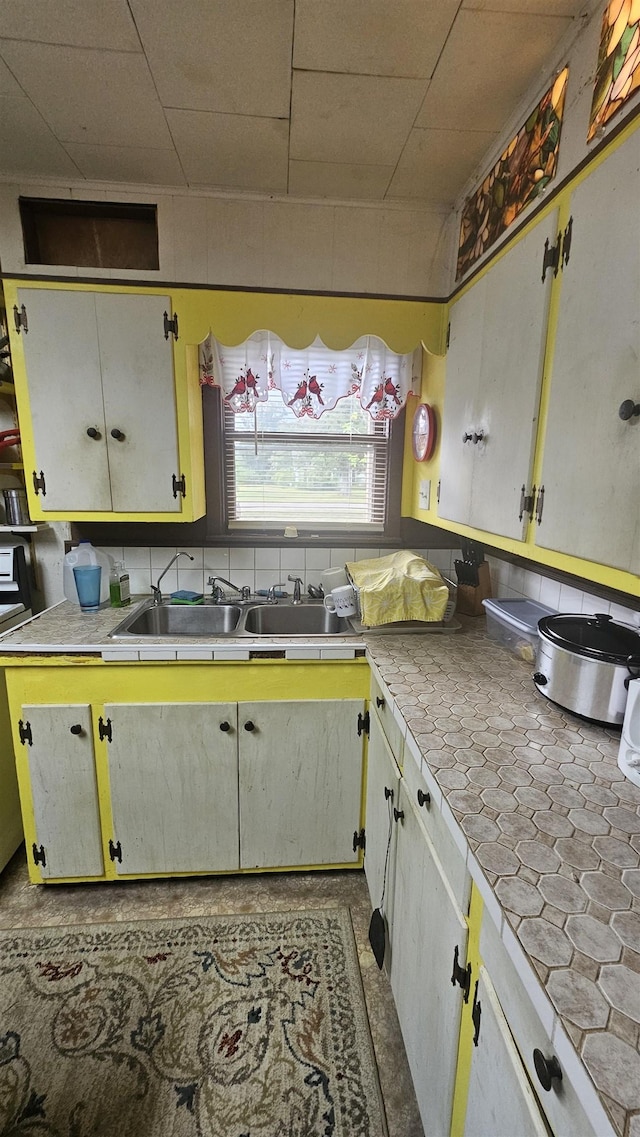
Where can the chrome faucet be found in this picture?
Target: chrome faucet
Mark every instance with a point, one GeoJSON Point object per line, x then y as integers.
{"type": "Point", "coordinates": [271, 594]}
{"type": "Point", "coordinates": [155, 588]}
{"type": "Point", "coordinates": [217, 593]}
{"type": "Point", "coordinates": [297, 585]}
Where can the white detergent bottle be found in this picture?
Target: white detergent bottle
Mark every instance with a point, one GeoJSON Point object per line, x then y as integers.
{"type": "Point", "coordinates": [85, 554]}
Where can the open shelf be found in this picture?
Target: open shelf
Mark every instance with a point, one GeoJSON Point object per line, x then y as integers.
{"type": "Point", "coordinates": [32, 527]}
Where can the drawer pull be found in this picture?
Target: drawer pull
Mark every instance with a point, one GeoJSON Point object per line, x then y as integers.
{"type": "Point", "coordinates": [249, 725]}
{"type": "Point", "coordinates": [424, 799]}
{"type": "Point", "coordinates": [379, 701]}
{"type": "Point", "coordinates": [547, 1069]}
{"type": "Point", "coordinates": [398, 814]}
{"type": "Point", "coordinates": [225, 726]}
{"type": "Point", "coordinates": [76, 728]}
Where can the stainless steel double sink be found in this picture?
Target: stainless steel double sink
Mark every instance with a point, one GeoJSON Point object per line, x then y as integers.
{"type": "Point", "coordinates": [165, 620]}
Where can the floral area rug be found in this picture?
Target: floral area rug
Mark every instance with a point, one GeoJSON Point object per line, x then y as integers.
{"type": "Point", "coordinates": [228, 1026]}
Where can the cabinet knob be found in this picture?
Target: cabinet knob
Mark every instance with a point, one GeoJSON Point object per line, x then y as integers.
{"type": "Point", "coordinates": [547, 1069]}
{"type": "Point", "coordinates": [424, 799]}
{"type": "Point", "coordinates": [117, 434]}
{"type": "Point", "coordinates": [398, 814]}
{"type": "Point", "coordinates": [379, 701]}
{"type": "Point", "coordinates": [93, 433]}
{"type": "Point", "coordinates": [478, 436]}
{"type": "Point", "coordinates": [249, 725]}
{"type": "Point", "coordinates": [628, 410]}
{"type": "Point", "coordinates": [225, 726]}
{"type": "Point", "coordinates": [76, 728]}
{"type": "Point", "coordinates": [466, 437]}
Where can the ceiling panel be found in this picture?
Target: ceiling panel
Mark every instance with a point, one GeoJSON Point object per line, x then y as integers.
{"type": "Point", "coordinates": [232, 56]}
{"type": "Point", "coordinates": [32, 148]}
{"type": "Point", "coordinates": [84, 23]}
{"type": "Point", "coordinates": [9, 85]}
{"type": "Point", "coordinates": [480, 91]}
{"type": "Point", "coordinates": [234, 151]}
{"type": "Point", "coordinates": [372, 37]}
{"type": "Point", "coordinates": [338, 180]}
{"type": "Point", "coordinates": [436, 164]}
{"type": "Point", "coordinates": [127, 164]}
{"type": "Point", "coordinates": [91, 96]}
{"type": "Point", "coordinates": [533, 7]}
{"type": "Point", "coordinates": [352, 118]}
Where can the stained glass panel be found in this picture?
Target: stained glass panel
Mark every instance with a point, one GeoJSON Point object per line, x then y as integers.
{"type": "Point", "coordinates": [618, 71]}
{"type": "Point", "coordinates": [526, 166]}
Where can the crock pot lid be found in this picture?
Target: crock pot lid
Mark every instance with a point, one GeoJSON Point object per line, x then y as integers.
{"type": "Point", "coordinates": [598, 637]}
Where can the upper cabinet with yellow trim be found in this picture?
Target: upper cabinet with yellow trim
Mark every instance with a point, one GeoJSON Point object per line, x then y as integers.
{"type": "Point", "coordinates": [492, 394]}
{"type": "Point", "coordinates": [591, 455]}
{"type": "Point", "coordinates": [107, 412]}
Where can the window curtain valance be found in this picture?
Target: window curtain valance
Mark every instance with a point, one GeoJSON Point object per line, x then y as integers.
{"type": "Point", "coordinates": [309, 380]}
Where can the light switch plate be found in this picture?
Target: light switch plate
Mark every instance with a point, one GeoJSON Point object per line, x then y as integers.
{"type": "Point", "coordinates": [424, 493]}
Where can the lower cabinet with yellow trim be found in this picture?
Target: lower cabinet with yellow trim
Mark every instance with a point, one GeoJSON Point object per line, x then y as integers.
{"type": "Point", "coordinates": [147, 775]}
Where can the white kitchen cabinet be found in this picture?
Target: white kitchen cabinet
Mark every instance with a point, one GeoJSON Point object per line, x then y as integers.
{"type": "Point", "coordinates": [103, 417]}
{"type": "Point", "coordinates": [381, 829]}
{"type": "Point", "coordinates": [591, 462]}
{"type": "Point", "coordinates": [56, 746]}
{"type": "Point", "coordinates": [300, 782]}
{"type": "Point", "coordinates": [173, 777]}
{"type": "Point", "coordinates": [493, 380]}
{"type": "Point", "coordinates": [500, 1101]}
{"type": "Point", "coordinates": [430, 932]}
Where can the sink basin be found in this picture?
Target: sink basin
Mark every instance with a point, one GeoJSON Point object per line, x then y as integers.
{"type": "Point", "coordinates": [294, 620]}
{"type": "Point", "coordinates": [181, 620]}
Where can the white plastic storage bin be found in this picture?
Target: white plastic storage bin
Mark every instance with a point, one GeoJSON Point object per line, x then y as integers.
{"type": "Point", "coordinates": [514, 623]}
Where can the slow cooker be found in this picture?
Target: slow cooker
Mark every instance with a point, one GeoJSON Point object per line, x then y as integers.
{"type": "Point", "coordinates": [584, 664]}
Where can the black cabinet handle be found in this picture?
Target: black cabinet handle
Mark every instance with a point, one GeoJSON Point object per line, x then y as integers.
{"type": "Point", "coordinates": [117, 434]}
{"type": "Point", "coordinates": [547, 1069]}
{"type": "Point", "coordinates": [478, 436]}
{"type": "Point", "coordinates": [225, 726]}
{"type": "Point", "coordinates": [93, 433]}
{"type": "Point", "coordinates": [76, 728]}
{"type": "Point", "coordinates": [628, 409]}
{"type": "Point", "coordinates": [379, 701]}
{"type": "Point", "coordinates": [466, 437]}
{"type": "Point", "coordinates": [249, 725]}
{"type": "Point", "coordinates": [398, 814]}
{"type": "Point", "coordinates": [424, 799]}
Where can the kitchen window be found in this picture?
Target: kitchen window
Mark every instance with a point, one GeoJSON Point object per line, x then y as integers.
{"type": "Point", "coordinates": [308, 437]}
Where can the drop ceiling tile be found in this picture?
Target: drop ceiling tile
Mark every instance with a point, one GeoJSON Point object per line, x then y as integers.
{"type": "Point", "coordinates": [436, 164]}
{"type": "Point", "coordinates": [236, 151]}
{"type": "Point", "coordinates": [106, 24]}
{"type": "Point", "coordinates": [97, 97]}
{"type": "Point", "coordinates": [357, 119]}
{"type": "Point", "coordinates": [231, 56]}
{"type": "Point", "coordinates": [127, 164]}
{"type": "Point", "coordinates": [8, 85]}
{"type": "Point", "coordinates": [343, 181]}
{"type": "Point", "coordinates": [372, 37]}
{"type": "Point", "coordinates": [27, 146]}
{"type": "Point", "coordinates": [477, 88]}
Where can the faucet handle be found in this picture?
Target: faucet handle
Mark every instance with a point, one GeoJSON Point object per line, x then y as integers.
{"type": "Point", "coordinates": [297, 585]}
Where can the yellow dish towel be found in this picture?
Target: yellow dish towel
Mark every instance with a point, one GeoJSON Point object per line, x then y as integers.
{"type": "Point", "coordinates": [401, 586]}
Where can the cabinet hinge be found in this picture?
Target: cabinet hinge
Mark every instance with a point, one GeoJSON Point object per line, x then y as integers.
{"type": "Point", "coordinates": [24, 732]}
{"type": "Point", "coordinates": [39, 483]}
{"type": "Point", "coordinates": [104, 729]}
{"type": "Point", "coordinates": [171, 326]}
{"type": "Point", "coordinates": [20, 319]}
{"type": "Point", "coordinates": [551, 258]}
{"type": "Point", "coordinates": [363, 723]}
{"type": "Point", "coordinates": [526, 502]}
{"type": "Point", "coordinates": [179, 485]}
{"type": "Point", "coordinates": [359, 840]}
{"type": "Point", "coordinates": [476, 1015]}
{"type": "Point", "coordinates": [39, 855]}
{"type": "Point", "coordinates": [539, 505]}
{"type": "Point", "coordinates": [115, 851]}
{"type": "Point", "coordinates": [566, 243]}
{"type": "Point", "coordinates": [461, 975]}
{"type": "Point", "coordinates": [448, 334]}
{"type": "Point", "coordinates": [438, 492]}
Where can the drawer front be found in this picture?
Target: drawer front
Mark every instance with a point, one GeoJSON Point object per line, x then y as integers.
{"type": "Point", "coordinates": [561, 1103]}
{"type": "Point", "coordinates": [449, 854]}
{"type": "Point", "coordinates": [389, 725]}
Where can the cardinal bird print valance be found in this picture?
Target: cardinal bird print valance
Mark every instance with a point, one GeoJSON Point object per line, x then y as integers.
{"type": "Point", "coordinates": [310, 380]}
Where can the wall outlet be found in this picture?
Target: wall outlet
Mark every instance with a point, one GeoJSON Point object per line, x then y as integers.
{"type": "Point", "coordinates": [424, 496]}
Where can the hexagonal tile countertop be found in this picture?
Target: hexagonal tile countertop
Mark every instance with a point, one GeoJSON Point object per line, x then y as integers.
{"type": "Point", "coordinates": [554, 825]}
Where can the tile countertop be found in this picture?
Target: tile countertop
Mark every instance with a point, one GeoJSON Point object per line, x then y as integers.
{"type": "Point", "coordinates": [534, 796]}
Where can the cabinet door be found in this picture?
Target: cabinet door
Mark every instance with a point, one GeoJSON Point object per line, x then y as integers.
{"type": "Point", "coordinates": [427, 928]}
{"type": "Point", "coordinates": [460, 397]}
{"type": "Point", "coordinates": [300, 782]}
{"type": "Point", "coordinates": [65, 398]}
{"type": "Point", "coordinates": [501, 1102]}
{"type": "Point", "coordinates": [174, 786]}
{"type": "Point", "coordinates": [383, 791]}
{"type": "Point", "coordinates": [591, 465]}
{"type": "Point", "coordinates": [64, 793]}
{"type": "Point", "coordinates": [139, 402]}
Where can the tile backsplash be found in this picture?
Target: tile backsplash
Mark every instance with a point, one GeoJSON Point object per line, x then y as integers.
{"type": "Point", "coordinates": [509, 580]}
